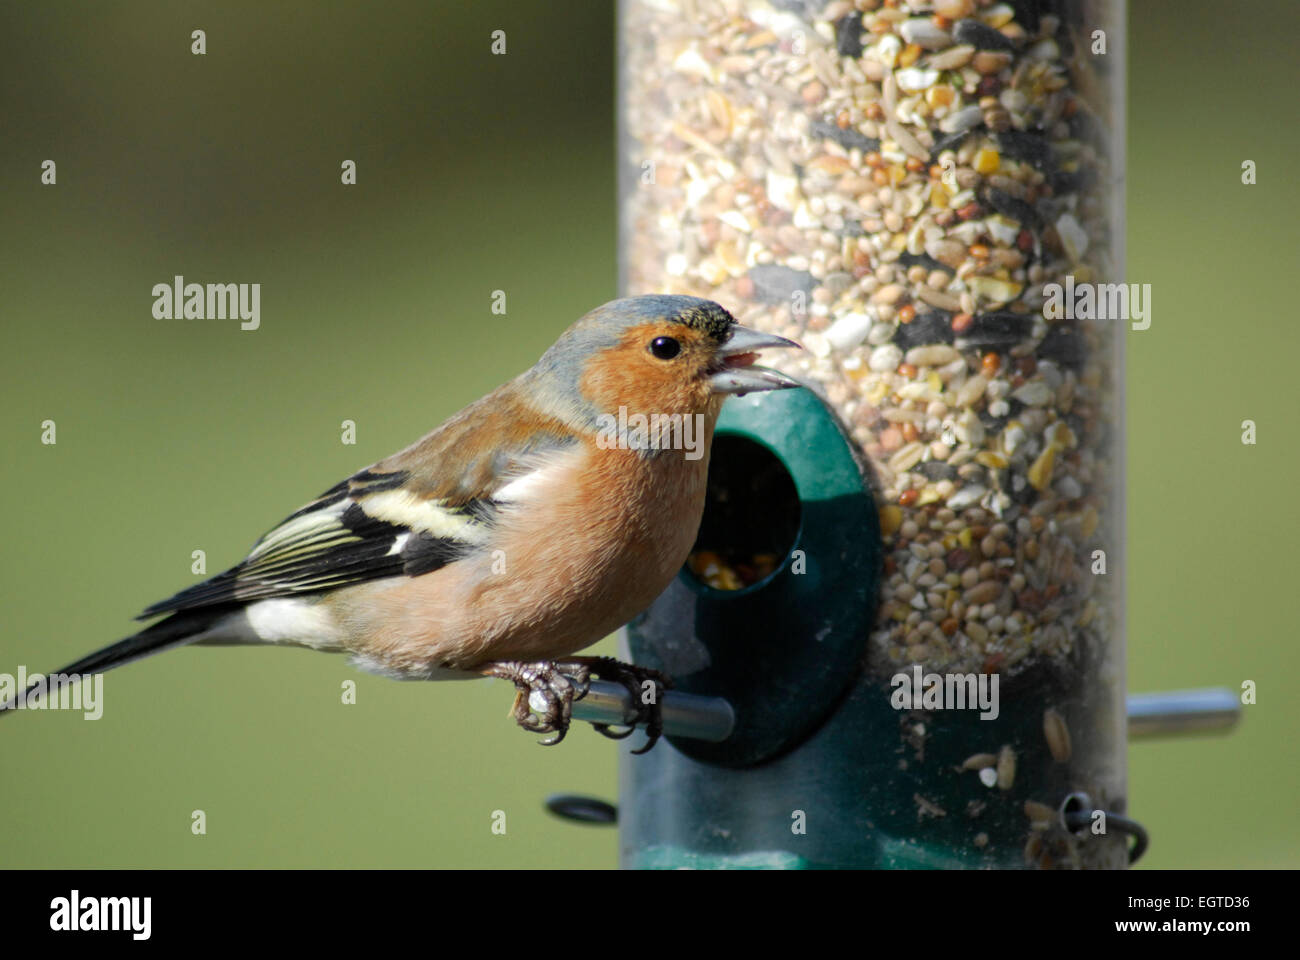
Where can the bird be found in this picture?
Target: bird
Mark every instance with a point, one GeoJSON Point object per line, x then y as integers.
{"type": "Point", "coordinates": [524, 529]}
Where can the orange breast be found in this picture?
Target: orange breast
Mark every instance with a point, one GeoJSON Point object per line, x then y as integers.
{"type": "Point", "coordinates": [596, 541]}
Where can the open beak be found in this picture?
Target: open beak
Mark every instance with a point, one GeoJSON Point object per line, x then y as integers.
{"type": "Point", "coordinates": [738, 374]}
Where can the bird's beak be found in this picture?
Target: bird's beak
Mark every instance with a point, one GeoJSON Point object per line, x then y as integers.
{"type": "Point", "coordinates": [738, 374]}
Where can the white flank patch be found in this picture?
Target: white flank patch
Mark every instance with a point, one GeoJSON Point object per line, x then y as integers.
{"type": "Point", "coordinates": [290, 620]}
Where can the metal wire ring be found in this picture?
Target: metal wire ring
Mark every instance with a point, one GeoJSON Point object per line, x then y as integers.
{"type": "Point", "coordinates": [1076, 814]}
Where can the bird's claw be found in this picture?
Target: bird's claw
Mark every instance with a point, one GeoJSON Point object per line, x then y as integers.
{"type": "Point", "coordinates": [554, 688]}
{"type": "Point", "coordinates": [545, 692]}
{"type": "Point", "coordinates": [634, 678]}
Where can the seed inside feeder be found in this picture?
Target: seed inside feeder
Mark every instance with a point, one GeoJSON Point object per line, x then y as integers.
{"type": "Point", "coordinates": [751, 516]}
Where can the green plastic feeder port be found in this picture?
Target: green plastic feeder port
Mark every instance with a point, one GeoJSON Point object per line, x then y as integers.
{"type": "Point", "coordinates": [783, 480]}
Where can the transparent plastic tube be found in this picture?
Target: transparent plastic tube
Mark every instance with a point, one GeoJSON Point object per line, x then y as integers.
{"type": "Point", "coordinates": [928, 196]}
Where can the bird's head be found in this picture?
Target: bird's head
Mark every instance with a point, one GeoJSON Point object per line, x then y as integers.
{"type": "Point", "coordinates": [657, 354]}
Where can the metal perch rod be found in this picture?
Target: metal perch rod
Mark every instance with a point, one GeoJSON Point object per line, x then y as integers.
{"type": "Point", "coordinates": [712, 718]}
{"type": "Point", "coordinates": [1182, 711]}
{"type": "Point", "coordinates": [684, 714]}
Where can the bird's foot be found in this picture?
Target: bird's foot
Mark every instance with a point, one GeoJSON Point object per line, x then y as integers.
{"type": "Point", "coordinates": [544, 694]}
{"type": "Point", "coordinates": [646, 686]}
{"type": "Point", "coordinates": [546, 690]}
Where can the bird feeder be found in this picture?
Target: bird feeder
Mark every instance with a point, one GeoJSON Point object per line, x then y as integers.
{"type": "Point", "coordinates": [899, 641]}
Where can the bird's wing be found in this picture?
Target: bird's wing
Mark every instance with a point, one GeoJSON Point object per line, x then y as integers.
{"type": "Point", "coordinates": [410, 514]}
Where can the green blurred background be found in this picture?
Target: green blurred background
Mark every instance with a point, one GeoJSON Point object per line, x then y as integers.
{"type": "Point", "coordinates": [476, 173]}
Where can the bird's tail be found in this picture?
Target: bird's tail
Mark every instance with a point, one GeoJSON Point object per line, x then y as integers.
{"type": "Point", "coordinates": [177, 630]}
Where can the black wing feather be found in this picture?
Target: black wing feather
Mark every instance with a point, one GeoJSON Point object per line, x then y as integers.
{"type": "Point", "coordinates": [331, 542]}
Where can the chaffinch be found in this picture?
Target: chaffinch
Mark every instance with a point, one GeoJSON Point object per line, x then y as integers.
{"type": "Point", "coordinates": [525, 528]}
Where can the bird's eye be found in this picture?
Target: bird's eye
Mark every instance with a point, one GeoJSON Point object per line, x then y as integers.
{"type": "Point", "coordinates": [665, 348]}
